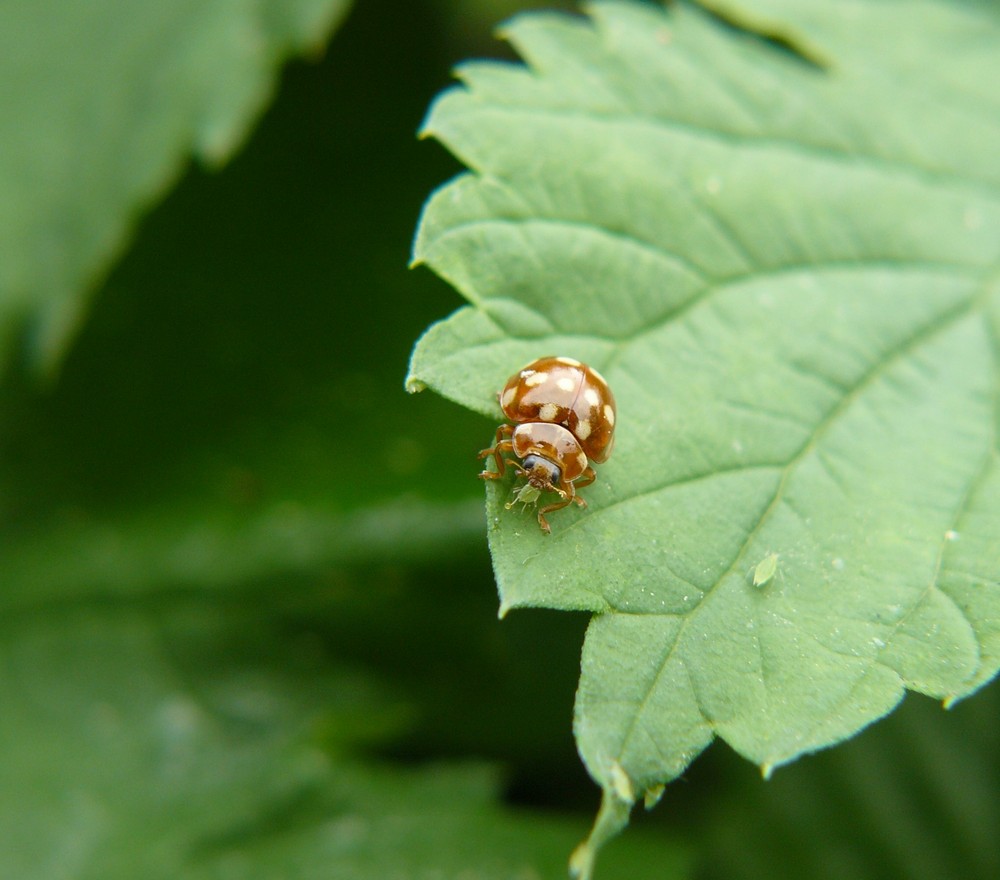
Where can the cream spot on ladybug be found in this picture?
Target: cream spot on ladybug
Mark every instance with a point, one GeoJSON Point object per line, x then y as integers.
{"type": "Point", "coordinates": [582, 429]}
{"type": "Point", "coordinates": [609, 414]}
{"type": "Point", "coordinates": [535, 379]}
{"type": "Point", "coordinates": [580, 457]}
{"type": "Point", "coordinates": [569, 362]}
{"type": "Point", "coordinates": [566, 384]}
{"type": "Point", "coordinates": [547, 412]}
{"type": "Point", "coordinates": [592, 397]}
{"type": "Point", "coordinates": [598, 376]}
{"type": "Point", "coordinates": [507, 397]}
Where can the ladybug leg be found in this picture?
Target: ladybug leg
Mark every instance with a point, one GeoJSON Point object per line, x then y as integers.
{"type": "Point", "coordinates": [567, 496]}
{"type": "Point", "coordinates": [501, 444]}
{"type": "Point", "coordinates": [585, 479]}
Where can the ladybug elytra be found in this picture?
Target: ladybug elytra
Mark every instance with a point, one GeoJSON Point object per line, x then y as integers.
{"type": "Point", "coordinates": [564, 418]}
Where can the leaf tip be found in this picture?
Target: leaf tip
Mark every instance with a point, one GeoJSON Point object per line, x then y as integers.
{"type": "Point", "coordinates": [653, 796]}
{"type": "Point", "coordinates": [766, 769]}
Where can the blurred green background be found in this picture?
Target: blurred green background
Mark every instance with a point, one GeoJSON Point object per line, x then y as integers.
{"type": "Point", "coordinates": [226, 459]}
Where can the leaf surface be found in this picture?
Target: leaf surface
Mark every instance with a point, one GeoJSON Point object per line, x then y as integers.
{"type": "Point", "coordinates": [789, 275]}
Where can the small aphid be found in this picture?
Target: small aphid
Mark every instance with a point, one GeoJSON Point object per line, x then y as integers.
{"type": "Point", "coordinates": [765, 570]}
{"type": "Point", "coordinates": [527, 494]}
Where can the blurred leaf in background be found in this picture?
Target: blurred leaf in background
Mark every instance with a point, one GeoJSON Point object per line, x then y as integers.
{"type": "Point", "coordinates": [103, 104]}
{"type": "Point", "coordinates": [181, 741]}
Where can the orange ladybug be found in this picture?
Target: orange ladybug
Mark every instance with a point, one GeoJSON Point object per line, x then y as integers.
{"type": "Point", "coordinates": [565, 418]}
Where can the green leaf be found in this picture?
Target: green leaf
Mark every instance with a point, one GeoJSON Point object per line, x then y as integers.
{"type": "Point", "coordinates": [191, 744]}
{"type": "Point", "coordinates": [790, 275]}
{"type": "Point", "coordinates": [132, 741]}
{"type": "Point", "coordinates": [104, 102]}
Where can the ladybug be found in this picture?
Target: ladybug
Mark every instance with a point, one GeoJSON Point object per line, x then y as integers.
{"type": "Point", "coordinates": [564, 415]}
